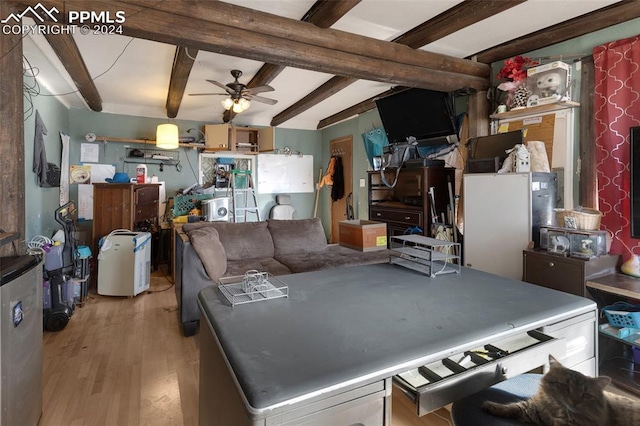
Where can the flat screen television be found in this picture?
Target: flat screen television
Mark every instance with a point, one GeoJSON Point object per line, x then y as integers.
{"type": "Point", "coordinates": [427, 115]}
{"type": "Point", "coordinates": [634, 170]}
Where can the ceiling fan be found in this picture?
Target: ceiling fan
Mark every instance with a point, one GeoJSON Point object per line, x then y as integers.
{"type": "Point", "coordinates": [238, 94]}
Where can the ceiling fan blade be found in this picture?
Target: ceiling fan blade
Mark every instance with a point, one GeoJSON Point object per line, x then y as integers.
{"type": "Point", "coordinates": [258, 89]}
{"type": "Point", "coordinates": [208, 94]}
{"type": "Point", "coordinates": [261, 99]}
{"type": "Point", "coordinates": [222, 86]}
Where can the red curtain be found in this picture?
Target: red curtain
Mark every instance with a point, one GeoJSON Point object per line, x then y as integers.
{"type": "Point", "coordinates": [617, 108]}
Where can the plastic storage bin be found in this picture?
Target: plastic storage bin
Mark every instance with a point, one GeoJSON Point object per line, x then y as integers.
{"type": "Point", "coordinates": [623, 314]}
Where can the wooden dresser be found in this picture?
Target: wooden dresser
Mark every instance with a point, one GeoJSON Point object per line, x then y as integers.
{"type": "Point", "coordinates": [123, 206]}
{"type": "Point", "coordinates": [406, 207]}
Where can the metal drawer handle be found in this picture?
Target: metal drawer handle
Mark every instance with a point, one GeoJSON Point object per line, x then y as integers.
{"type": "Point", "coordinates": [552, 264]}
{"type": "Point", "coordinates": [407, 217]}
{"type": "Point", "coordinates": [378, 214]}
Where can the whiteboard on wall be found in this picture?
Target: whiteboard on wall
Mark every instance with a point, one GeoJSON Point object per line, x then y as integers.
{"type": "Point", "coordinates": [279, 173]}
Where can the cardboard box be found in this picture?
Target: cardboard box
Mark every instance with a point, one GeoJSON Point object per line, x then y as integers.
{"type": "Point", "coordinates": [549, 83]}
{"type": "Point", "coordinates": [363, 235]}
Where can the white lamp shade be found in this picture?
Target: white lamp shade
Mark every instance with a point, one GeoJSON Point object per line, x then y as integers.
{"type": "Point", "coordinates": [167, 136]}
{"type": "Point", "coordinates": [227, 103]}
{"type": "Point", "coordinates": [244, 104]}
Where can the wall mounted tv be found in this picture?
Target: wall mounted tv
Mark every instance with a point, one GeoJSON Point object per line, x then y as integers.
{"type": "Point", "coordinates": [427, 115]}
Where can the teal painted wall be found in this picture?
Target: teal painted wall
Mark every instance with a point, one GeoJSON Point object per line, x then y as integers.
{"type": "Point", "coordinates": [354, 127]}
{"type": "Point", "coordinates": [309, 142]}
{"type": "Point", "coordinates": [41, 203]}
{"type": "Point", "coordinates": [122, 126]}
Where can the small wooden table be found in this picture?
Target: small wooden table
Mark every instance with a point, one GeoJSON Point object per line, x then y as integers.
{"type": "Point", "coordinates": [615, 353]}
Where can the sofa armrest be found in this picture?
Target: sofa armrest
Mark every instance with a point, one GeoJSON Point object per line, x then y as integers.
{"type": "Point", "coordinates": [192, 277]}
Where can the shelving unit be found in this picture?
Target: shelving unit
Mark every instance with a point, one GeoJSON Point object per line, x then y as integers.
{"type": "Point", "coordinates": [540, 109]}
{"type": "Point", "coordinates": [615, 352]}
{"type": "Point", "coordinates": [243, 140]}
{"type": "Point", "coordinates": [406, 207]}
{"type": "Point", "coordinates": [154, 156]}
{"type": "Point", "coordinates": [428, 255]}
{"type": "Point", "coordinates": [144, 142]}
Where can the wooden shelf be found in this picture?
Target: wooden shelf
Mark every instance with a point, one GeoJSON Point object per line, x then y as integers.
{"type": "Point", "coordinates": [535, 110]}
{"type": "Point", "coordinates": [143, 141]}
{"type": "Point", "coordinates": [125, 140]}
{"type": "Point", "coordinates": [618, 284]}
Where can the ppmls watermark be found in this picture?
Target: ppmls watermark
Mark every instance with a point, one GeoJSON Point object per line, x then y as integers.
{"type": "Point", "coordinates": [82, 21]}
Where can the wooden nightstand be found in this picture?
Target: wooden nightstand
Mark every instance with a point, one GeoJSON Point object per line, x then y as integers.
{"type": "Point", "coordinates": [566, 274]}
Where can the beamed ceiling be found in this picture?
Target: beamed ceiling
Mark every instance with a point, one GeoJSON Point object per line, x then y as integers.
{"type": "Point", "coordinates": [326, 60]}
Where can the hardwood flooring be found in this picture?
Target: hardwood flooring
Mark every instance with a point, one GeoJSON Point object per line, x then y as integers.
{"type": "Point", "coordinates": [124, 361]}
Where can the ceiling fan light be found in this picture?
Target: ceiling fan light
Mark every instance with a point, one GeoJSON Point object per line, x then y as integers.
{"type": "Point", "coordinates": [227, 103]}
{"type": "Point", "coordinates": [237, 108]}
{"type": "Point", "coordinates": [244, 104]}
{"type": "Point", "coordinates": [167, 136]}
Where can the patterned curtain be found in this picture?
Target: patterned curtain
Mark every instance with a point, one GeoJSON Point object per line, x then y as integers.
{"type": "Point", "coordinates": [617, 108]}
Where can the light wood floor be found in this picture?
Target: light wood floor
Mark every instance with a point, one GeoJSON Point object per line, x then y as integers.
{"type": "Point", "coordinates": [124, 361]}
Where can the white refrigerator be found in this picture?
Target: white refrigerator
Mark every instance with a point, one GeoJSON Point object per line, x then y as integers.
{"type": "Point", "coordinates": [124, 263]}
{"type": "Point", "coordinates": [503, 213]}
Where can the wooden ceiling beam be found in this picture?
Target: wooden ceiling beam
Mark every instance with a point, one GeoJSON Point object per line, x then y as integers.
{"type": "Point", "coordinates": [448, 22]}
{"type": "Point", "coordinates": [182, 64]}
{"type": "Point", "coordinates": [593, 21]}
{"type": "Point", "coordinates": [454, 19]}
{"type": "Point", "coordinates": [323, 14]}
{"type": "Point", "coordinates": [328, 89]}
{"type": "Point", "coordinates": [253, 34]}
{"type": "Point", "coordinates": [356, 109]}
{"type": "Point", "coordinates": [66, 49]}
{"type": "Point", "coordinates": [611, 15]}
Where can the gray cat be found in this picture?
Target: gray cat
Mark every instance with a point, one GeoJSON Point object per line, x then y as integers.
{"type": "Point", "coordinates": [567, 398]}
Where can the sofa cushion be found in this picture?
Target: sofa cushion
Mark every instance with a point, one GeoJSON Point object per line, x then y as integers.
{"type": "Point", "coordinates": [249, 240]}
{"type": "Point", "coordinates": [295, 236]}
{"type": "Point", "coordinates": [266, 264]}
{"type": "Point", "coordinates": [331, 257]}
{"type": "Point", "coordinates": [210, 250]}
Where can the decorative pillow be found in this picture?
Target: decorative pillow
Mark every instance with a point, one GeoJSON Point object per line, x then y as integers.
{"type": "Point", "coordinates": [296, 236]}
{"type": "Point", "coordinates": [247, 240]}
{"type": "Point", "coordinates": [207, 245]}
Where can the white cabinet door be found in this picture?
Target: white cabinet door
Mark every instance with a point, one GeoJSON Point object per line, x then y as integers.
{"type": "Point", "coordinates": [497, 222]}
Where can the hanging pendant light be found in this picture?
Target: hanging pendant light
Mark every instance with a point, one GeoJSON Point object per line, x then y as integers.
{"type": "Point", "coordinates": [167, 136]}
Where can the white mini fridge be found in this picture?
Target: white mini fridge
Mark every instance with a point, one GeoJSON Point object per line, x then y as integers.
{"type": "Point", "coordinates": [124, 263]}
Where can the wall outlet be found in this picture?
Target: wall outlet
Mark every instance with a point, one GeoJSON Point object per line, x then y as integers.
{"type": "Point", "coordinates": [362, 183]}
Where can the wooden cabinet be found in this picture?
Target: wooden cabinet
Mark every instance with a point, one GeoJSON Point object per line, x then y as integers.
{"type": "Point", "coordinates": [406, 207]}
{"type": "Point", "coordinates": [565, 273]}
{"type": "Point", "coordinates": [123, 206]}
{"type": "Point", "coordinates": [244, 140]}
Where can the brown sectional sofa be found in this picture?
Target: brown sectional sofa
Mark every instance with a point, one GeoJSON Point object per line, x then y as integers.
{"type": "Point", "coordinates": [207, 251]}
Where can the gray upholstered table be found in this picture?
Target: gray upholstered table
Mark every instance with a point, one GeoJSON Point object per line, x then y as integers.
{"type": "Point", "coordinates": [327, 353]}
